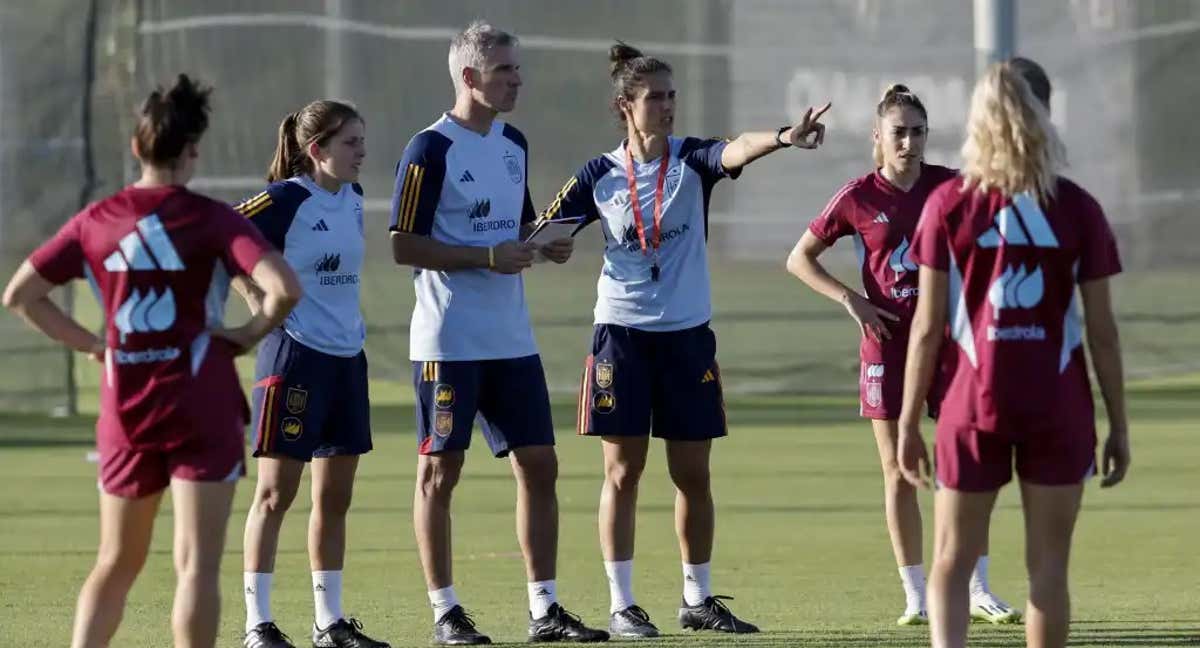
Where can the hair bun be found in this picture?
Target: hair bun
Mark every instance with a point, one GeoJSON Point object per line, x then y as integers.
{"type": "Point", "coordinates": [895, 89]}
{"type": "Point", "coordinates": [620, 53]}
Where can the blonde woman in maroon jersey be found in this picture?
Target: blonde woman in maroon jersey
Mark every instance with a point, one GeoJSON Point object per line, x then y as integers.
{"type": "Point", "coordinates": [1002, 251]}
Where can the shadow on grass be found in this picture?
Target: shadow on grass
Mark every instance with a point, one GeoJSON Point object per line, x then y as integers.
{"type": "Point", "coordinates": [984, 637]}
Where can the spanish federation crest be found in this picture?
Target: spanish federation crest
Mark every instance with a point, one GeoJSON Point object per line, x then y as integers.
{"type": "Point", "coordinates": [297, 400]}
{"type": "Point", "coordinates": [873, 382]}
{"type": "Point", "coordinates": [514, 168]}
{"type": "Point", "coordinates": [604, 375]}
{"type": "Point", "coordinates": [443, 423]}
{"type": "Point", "coordinates": [671, 182]}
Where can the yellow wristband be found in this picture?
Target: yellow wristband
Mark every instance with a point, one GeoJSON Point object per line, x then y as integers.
{"type": "Point", "coordinates": [491, 257]}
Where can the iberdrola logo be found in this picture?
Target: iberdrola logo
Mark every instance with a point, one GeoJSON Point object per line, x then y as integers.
{"type": "Point", "coordinates": [1019, 289]}
{"type": "Point", "coordinates": [901, 259]}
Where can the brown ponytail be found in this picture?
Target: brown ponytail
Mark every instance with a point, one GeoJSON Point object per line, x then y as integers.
{"type": "Point", "coordinates": [317, 122]}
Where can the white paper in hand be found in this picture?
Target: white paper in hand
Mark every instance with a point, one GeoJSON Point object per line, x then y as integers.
{"type": "Point", "coordinates": [552, 231]}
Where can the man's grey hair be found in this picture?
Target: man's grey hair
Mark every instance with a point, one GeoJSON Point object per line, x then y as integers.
{"type": "Point", "coordinates": [471, 46]}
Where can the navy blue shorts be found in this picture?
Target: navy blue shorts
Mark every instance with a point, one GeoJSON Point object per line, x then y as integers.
{"type": "Point", "coordinates": [308, 404]}
{"type": "Point", "coordinates": [668, 380]}
{"type": "Point", "coordinates": [508, 396]}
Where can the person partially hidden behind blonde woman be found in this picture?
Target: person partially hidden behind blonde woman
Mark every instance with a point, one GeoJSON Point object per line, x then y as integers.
{"type": "Point", "coordinates": [880, 211]}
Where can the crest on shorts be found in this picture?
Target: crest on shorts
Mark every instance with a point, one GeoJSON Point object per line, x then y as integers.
{"type": "Point", "coordinates": [443, 396]}
{"type": "Point", "coordinates": [873, 381]}
{"type": "Point", "coordinates": [604, 402]}
{"type": "Point", "coordinates": [514, 169]}
{"type": "Point", "coordinates": [604, 374]}
{"type": "Point", "coordinates": [297, 400]}
{"type": "Point", "coordinates": [443, 423]}
{"type": "Point", "coordinates": [292, 428]}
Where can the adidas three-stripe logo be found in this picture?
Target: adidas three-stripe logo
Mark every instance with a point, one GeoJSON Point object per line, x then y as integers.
{"type": "Point", "coordinates": [467, 177]}
{"type": "Point", "coordinates": [146, 248]}
{"type": "Point", "coordinates": [881, 218]}
{"type": "Point", "coordinates": [320, 226]}
{"type": "Point", "coordinates": [1021, 223]}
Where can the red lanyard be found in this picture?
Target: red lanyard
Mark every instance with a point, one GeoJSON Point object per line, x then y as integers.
{"type": "Point", "coordinates": [636, 202]}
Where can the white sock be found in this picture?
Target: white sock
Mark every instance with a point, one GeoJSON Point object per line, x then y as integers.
{"type": "Point", "coordinates": [697, 583]}
{"type": "Point", "coordinates": [442, 601]}
{"type": "Point", "coordinates": [620, 584]}
{"type": "Point", "coordinates": [327, 597]}
{"type": "Point", "coordinates": [258, 598]}
{"type": "Point", "coordinates": [979, 577]}
{"type": "Point", "coordinates": [913, 578]}
{"type": "Point", "coordinates": [542, 594]}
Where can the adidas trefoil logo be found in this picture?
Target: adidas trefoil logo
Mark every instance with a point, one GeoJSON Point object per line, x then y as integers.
{"type": "Point", "coordinates": [467, 177]}
{"type": "Point", "coordinates": [149, 250]}
{"type": "Point", "coordinates": [320, 226]}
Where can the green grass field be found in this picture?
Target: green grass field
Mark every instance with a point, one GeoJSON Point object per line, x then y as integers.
{"type": "Point", "coordinates": [800, 537]}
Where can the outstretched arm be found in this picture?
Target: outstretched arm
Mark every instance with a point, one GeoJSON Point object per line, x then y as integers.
{"type": "Point", "coordinates": [748, 147]}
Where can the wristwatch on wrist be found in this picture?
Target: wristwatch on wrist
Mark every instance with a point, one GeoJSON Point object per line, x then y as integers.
{"type": "Point", "coordinates": [779, 137]}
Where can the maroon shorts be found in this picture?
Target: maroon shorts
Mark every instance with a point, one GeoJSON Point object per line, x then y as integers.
{"type": "Point", "coordinates": [130, 473]}
{"type": "Point", "coordinates": [881, 380]}
{"type": "Point", "coordinates": [968, 459]}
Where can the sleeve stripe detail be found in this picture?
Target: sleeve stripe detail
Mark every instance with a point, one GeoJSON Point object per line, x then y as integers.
{"type": "Point", "coordinates": [257, 209]}
{"type": "Point", "coordinates": [410, 196]}
{"type": "Point", "coordinates": [402, 209]}
{"type": "Point", "coordinates": [249, 205]}
{"type": "Point", "coordinates": [556, 204]}
{"type": "Point", "coordinates": [837, 198]}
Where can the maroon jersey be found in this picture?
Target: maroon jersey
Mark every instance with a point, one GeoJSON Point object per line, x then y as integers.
{"type": "Point", "coordinates": [160, 260]}
{"type": "Point", "coordinates": [1013, 266]}
{"type": "Point", "coordinates": [881, 218]}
